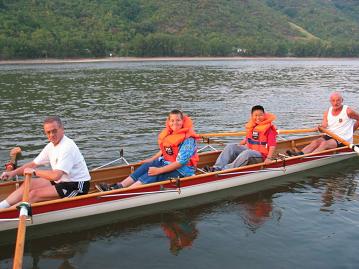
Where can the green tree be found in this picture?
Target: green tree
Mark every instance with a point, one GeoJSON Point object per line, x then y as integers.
{"type": "Point", "coordinates": [42, 42]}
{"type": "Point", "coordinates": [219, 45]}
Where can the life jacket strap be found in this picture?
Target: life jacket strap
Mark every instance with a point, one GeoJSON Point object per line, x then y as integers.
{"type": "Point", "coordinates": [253, 142]}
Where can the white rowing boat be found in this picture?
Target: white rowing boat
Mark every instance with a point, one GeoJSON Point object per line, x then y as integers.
{"type": "Point", "coordinates": [96, 203]}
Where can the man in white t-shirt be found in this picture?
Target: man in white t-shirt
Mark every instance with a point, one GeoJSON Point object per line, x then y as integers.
{"type": "Point", "coordinates": [68, 176]}
{"type": "Point", "coordinates": [339, 119]}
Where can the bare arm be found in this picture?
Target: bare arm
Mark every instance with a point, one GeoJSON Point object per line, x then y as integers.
{"type": "Point", "coordinates": [270, 155]}
{"type": "Point", "coordinates": [51, 175]}
{"type": "Point", "coordinates": [153, 171]}
{"type": "Point", "coordinates": [30, 168]}
{"type": "Point", "coordinates": [325, 120]}
{"type": "Point", "coordinates": [353, 115]}
{"type": "Point", "coordinates": [17, 172]}
{"type": "Point", "coordinates": [271, 152]}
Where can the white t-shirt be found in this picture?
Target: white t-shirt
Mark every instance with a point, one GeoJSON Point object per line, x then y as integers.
{"type": "Point", "coordinates": [66, 157]}
{"type": "Point", "coordinates": [341, 124]}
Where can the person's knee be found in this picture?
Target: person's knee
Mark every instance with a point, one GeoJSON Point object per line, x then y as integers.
{"type": "Point", "coordinates": [330, 144]}
{"type": "Point", "coordinates": [145, 166]}
{"type": "Point", "coordinates": [246, 154]}
{"type": "Point", "coordinates": [242, 158]}
{"type": "Point", "coordinates": [327, 145]}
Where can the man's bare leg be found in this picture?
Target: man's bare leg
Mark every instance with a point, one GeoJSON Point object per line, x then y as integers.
{"type": "Point", "coordinates": [35, 184]}
{"type": "Point", "coordinates": [313, 145]}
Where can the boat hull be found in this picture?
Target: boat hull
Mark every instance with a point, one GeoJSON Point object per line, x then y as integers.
{"type": "Point", "coordinates": [106, 202]}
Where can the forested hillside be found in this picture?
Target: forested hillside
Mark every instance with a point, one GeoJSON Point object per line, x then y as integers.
{"type": "Point", "coordinates": [96, 28]}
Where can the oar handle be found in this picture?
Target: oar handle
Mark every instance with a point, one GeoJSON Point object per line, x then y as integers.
{"type": "Point", "coordinates": [21, 230]}
{"type": "Point", "coordinates": [240, 133]}
{"type": "Point", "coordinates": [339, 139]}
{"type": "Point", "coordinates": [243, 133]}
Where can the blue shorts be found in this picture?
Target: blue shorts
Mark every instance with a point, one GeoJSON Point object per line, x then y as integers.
{"type": "Point", "coordinates": [141, 173]}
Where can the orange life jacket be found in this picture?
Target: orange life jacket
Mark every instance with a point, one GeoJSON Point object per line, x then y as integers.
{"type": "Point", "coordinates": [256, 136]}
{"type": "Point", "coordinates": [169, 141]}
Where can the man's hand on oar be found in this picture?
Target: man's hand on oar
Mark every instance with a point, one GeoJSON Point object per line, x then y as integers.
{"type": "Point", "coordinates": [15, 153]}
{"type": "Point", "coordinates": [12, 164]}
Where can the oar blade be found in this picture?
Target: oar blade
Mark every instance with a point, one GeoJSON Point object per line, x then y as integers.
{"type": "Point", "coordinates": [21, 231]}
{"type": "Point", "coordinates": [356, 149]}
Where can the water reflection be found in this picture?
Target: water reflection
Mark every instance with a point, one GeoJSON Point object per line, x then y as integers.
{"type": "Point", "coordinates": [256, 212]}
{"type": "Point", "coordinates": [180, 230]}
{"type": "Point", "coordinates": [335, 189]}
{"type": "Point", "coordinates": [61, 256]}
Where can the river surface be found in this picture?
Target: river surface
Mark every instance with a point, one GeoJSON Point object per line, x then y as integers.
{"type": "Point", "coordinates": [306, 220]}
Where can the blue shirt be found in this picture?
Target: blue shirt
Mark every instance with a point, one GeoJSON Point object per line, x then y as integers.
{"type": "Point", "coordinates": [186, 150]}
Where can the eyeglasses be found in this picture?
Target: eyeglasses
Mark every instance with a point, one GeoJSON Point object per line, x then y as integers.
{"type": "Point", "coordinates": [53, 131]}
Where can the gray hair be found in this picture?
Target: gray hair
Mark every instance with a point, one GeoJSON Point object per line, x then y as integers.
{"type": "Point", "coordinates": [336, 93]}
{"type": "Point", "coordinates": [51, 119]}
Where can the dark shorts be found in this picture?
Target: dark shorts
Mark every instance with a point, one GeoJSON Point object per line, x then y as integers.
{"type": "Point", "coordinates": [71, 189]}
{"type": "Point", "coordinates": [327, 137]}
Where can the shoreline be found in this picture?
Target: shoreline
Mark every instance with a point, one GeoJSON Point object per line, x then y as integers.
{"type": "Point", "coordinates": [159, 59]}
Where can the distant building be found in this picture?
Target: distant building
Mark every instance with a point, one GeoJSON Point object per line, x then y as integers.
{"type": "Point", "coordinates": [241, 51]}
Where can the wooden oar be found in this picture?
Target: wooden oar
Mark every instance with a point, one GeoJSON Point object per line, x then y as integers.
{"type": "Point", "coordinates": [21, 230]}
{"type": "Point", "coordinates": [298, 131]}
{"type": "Point", "coordinates": [208, 140]}
{"type": "Point", "coordinates": [339, 139]}
{"type": "Point", "coordinates": [243, 133]}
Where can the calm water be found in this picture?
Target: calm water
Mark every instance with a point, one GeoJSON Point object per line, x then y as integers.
{"type": "Point", "coordinates": [308, 220]}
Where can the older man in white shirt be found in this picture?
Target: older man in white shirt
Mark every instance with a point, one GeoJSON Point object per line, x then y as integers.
{"type": "Point", "coordinates": [68, 176]}
{"type": "Point", "coordinates": [339, 119]}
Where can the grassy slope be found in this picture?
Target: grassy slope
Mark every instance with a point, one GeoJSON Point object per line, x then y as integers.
{"type": "Point", "coordinates": [328, 20]}
{"type": "Point", "coordinates": [232, 17]}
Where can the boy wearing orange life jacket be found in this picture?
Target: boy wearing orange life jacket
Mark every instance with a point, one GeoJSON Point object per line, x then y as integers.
{"type": "Point", "coordinates": [258, 145]}
{"type": "Point", "coordinates": [177, 156]}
